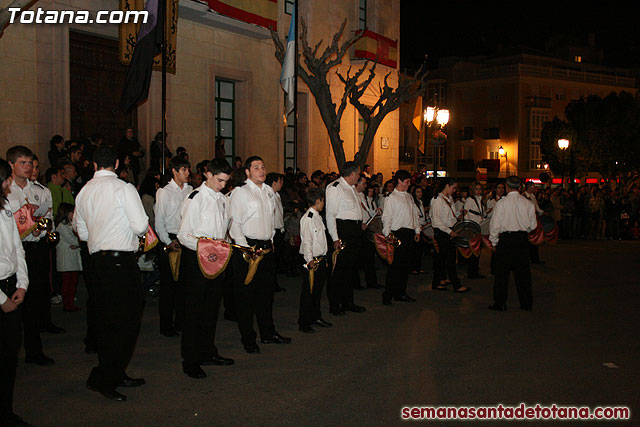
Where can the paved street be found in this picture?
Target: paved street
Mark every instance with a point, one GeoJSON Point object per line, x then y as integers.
{"type": "Point", "coordinates": [446, 349]}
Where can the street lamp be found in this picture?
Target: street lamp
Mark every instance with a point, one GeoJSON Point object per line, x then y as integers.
{"type": "Point", "coordinates": [440, 117]}
{"type": "Point", "coordinates": [563, 144]}
{"type": "Point", "coordinates": [503, 153]}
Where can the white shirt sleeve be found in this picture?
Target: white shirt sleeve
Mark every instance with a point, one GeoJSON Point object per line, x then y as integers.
{"type": "Point", "coordinates": [159, 211]}
{"type": "Point", "coordinates": [138, 219]}
{"type": "Point", "coordinates": [80, 225]}
{"type": "Point", "coordinates": [333, 204]}
{"type": "Point", "coordinates": [236, 211]}
{"type": "Point", "coordinates": [306, 235]}
{"type": "Point", "coordinates": [533, 220]}
{"type": "Point", "coordinates": [494, 225]}
{"type": "Point", "coordinates": [190, 211]}
{"type": "Point", "coordinates": [387, 216]}
{"type": "Point", "coordinates": [439, 212]}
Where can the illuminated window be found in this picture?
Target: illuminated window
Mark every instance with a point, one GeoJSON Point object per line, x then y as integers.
{"type": "Point", "coordinates": [362, 14]}
{"type": "Point", "coordinates": [577, 58]}
{"type": "Point", "coordinates": [537, 118]}
{"type": "Point", "coordinates": [535, 157]}
{"type": "Point", "coordinates": [225, 116]}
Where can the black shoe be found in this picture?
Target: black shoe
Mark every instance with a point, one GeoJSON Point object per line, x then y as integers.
{"type": "Point", "coordinates": [375, 286]}
{"type": "Point", "coordinates": [439, 287]}
{"type": "Point", "coordinates": [307, 329]}
{"type": "Point", "coordinates": [194, 371]}
{"type": "Point", "coordinates": [218, 361]}
{"type": "Point", "coordinates": [276, 338]}
{"type": "Point", "coordinates": [252, 348]}
{"type": "Point", "coordinates": [405, 298]}
{"type": "Point", "coordinates": [386, 300]}
{"type": "Point", "coordinates": [90, 350]}
{"type": "Point", "coordinates": [170, 332]}
{"type": "Point", "coordinates": [462, 289]}
{"type": "Point", "coordinates": [109, 394]}
{"type": "Point", "coordinates": [131, 382]}
{"type": "Point", "coordinates": [53, 329]}
{"type": "Point", "coordinates": [40, 359]}
{"type": "Point", "coordinates": [497, 307]}
{"type": "Point", "coordinates": [337, 311]}
{"type": "Point", "coordinates": [322, 323]}
{"type": "Point", "coordinates": [354, 308]}
{"type": "Point", "coordinates": [279, 289]}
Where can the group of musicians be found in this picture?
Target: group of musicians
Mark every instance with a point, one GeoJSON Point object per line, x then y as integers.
{"type": "Point", "coordinates": [110, 217]}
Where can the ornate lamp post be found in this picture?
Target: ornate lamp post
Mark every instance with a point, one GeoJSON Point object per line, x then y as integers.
{"type": "Point", "coordinates": [563, 144]}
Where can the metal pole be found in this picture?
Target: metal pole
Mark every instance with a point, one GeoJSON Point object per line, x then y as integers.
{"type": "Point", "coordinates": [295, 93]}
{"type": "Point", "coordinates": [163, 20]}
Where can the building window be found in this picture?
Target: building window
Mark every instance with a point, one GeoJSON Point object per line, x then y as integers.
{"type": "Point", "coordinates": [288, 6]}
{"type": "Point", "coordinates": [225, 116]}
{"type": "Point", "coordinates": [577, 58]}
{"type": "Point", "coordinates": [289, 141]}
{"type": "Point", "coordinates": [494, 155]}
{"type": "Point", "coordinates": [466, 134]}
{"type": "Point", "coordinates": [491, 133]}
{"type": "Point", "coordinates": [535, 156]}
{"type": "Point", "coordinates": [362, 127]}
{"type": "Point", "coordinates": [362, 14]}
{"type": "Point", "coordinates": [537, 118]}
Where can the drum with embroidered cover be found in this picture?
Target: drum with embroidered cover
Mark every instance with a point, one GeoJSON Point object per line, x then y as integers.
{"type": "Point", "coordinates": [465, 230]}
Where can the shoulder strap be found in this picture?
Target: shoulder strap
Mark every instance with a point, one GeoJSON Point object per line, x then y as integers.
{"type": "Point", "coordinates": [193, 194]}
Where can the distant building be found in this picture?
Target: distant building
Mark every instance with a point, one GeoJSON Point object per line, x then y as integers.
{"type": "Point", "coordinates": [504, 101]}
{"type": "Point", "coordinates": [66, 79]}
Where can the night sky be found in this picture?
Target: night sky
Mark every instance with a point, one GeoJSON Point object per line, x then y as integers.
{"type": "Point", "coordinates": [467, 28]}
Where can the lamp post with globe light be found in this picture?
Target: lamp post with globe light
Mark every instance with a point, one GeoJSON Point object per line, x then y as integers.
{"type": "Point", "coordinates": [563, 144]}
{"type": "Point", "coordinates": [439, 117]}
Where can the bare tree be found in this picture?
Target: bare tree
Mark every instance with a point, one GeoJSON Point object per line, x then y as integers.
{"type": "Point", "coordinates": [314, 70]}
{"type": "Point", "coordinates": [5, 15]}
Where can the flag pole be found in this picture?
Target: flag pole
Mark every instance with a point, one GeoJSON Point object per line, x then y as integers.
{"type": "Point", "coordinates": [295, 93]}
{"type": "Point", "coordinates": [163, 20]}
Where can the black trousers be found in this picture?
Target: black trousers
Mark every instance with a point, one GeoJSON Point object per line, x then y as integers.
{"type": "Point", "coordinates": [368, 257]}
{"type": "Point", "coordinates": [202, 303]}
{"type": "Point", "coordinates": [227, 293]}
{"type": "Point", "coordinates": [340, 290]}
{"type": "Point", "coordinates": [444, 261]}
{"type": "Point", "coordinates": [310, 301]}
{"type": "Point", "coordinates": [10, 337]}
{"type": "Point", "coordinates": [533, 252]}
{"type": "Point", "coordinates": [90, 340]}
{"type": "Point", "coordinates": [171, 294]}
{"type": "Point", "coordinates": [512, 255]}
{"type": "Point", "coordinates": [395, 284]}
{"type": "Point", "coordinates": [416, 257]}
{"type": "Point", "coordinates": [36, 307]}
{"type": "Point", "coordinates": [473, 265]}
{"type": "Point", "coordinates": [118, 300]}
{"type": "Point", "coordinates": [254, 299]}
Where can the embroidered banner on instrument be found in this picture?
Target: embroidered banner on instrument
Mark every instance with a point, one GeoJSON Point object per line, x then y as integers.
{"type": "Point", "coordinates": [378, 48]}
{"type": "Point", "coordinates": [259, 12]}
{"type": "Point", "coordinates": [128, 34]}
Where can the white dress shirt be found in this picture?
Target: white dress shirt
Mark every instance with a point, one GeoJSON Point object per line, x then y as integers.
{"type": "Point", "coordinates": [443, 213]}
{"type": "Point", "coordinates": [279, 212]}
{"type": "Point", "coordinates": [312, 235]}
{"type": "Point", "coordinates": [36, 194]}
{"type": "Point", "coordinates": [204, 214]}
{"type": "Point", "coordinates": [109, 215]}
{"type": "Point", "coordinates": [400, 212]}
{"type": "Point", "coordinates": [474, 203]}
{"type": "Point", "coordinates": [252, 213]}
{"type": "Point", "coordinates": [512, 213]}
{"type": "Point", "coordinates": [422, 217]}
{"type": "Point", "coordinates": [491, 204]}
{"type": "Point", "coordinates": [168, 209]}
{"type": "Point", "coordinates": [534, 201]}
{"type": "Point", "coordinates": [12, 259]}
{"type": "Point", "coordinates": [342, 203]}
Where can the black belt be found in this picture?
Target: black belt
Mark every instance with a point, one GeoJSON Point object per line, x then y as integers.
{"type": "Point", "coordinates": [260, 244]}
{"type": "Point", "coordinates": [349, 220]}
{"type": "Point", "coordinates": [32, 244]}
{"type": "Point", "coordinates": [173, 236]}
{"type": "Point", "coordinates": [114, 254]}
{"type": "Point", "coordinates": [513, 232]}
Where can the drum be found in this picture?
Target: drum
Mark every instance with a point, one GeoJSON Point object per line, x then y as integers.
{"type": "Point", "coordinates": [428, 229]}
{"type": "Point", "coordinates": [374, 227]}
{"type": "Point", "coordinates": [465, 230]}
{"type": "Point", "coordinates": [547, 223]}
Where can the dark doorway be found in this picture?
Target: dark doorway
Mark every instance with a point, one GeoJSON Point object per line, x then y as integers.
{"type": "Point", "coordinates": [96, 78]}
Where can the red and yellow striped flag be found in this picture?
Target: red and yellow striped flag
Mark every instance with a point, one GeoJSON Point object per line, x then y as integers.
{"type": "Point", "coordinates": [378, 48]}
{"type": "Point", "coordinates": [259, 12]}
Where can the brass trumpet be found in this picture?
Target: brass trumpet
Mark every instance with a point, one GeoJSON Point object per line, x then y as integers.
{"type": "Point", "coordinates": [45, 224]}
{"type": "Point", "coordinates": [393, 240]}
{"type": "Point", "coordinates": [248, 252]}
